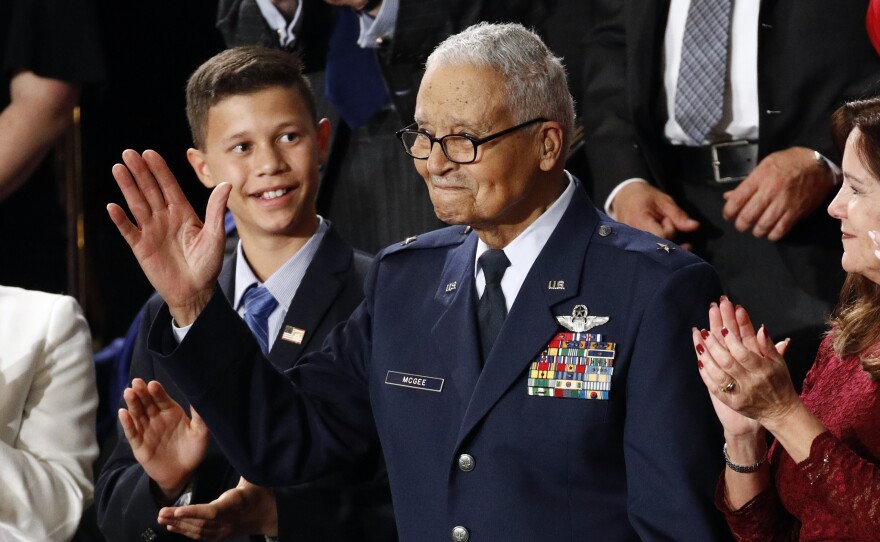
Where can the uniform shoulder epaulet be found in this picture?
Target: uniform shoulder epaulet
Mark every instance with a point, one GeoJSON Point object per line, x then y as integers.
{"type": "Point", "coordinates": [451, 235]}
{"type": "Point", "coordinates": [662, 251]}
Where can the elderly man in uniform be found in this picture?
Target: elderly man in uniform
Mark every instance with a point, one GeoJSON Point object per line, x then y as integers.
{"type": "Point", "coordinates": [527, 371]}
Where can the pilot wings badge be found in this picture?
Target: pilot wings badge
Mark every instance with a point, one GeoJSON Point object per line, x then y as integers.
{"type": "Point", "coordinates": [580, 321]}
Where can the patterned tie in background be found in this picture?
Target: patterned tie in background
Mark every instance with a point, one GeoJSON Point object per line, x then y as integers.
{"type": "Point", "coordinates": [352, 83]}
{"type": "Point", "coordinates": [492, 308]}
{"type": "Point", "coordinates": [699, 97]}
{"type": "Point", "coordinates": [258, 305]}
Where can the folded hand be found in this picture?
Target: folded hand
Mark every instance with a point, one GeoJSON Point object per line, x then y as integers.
{"type": "Point", "coordinates": [243, 510]}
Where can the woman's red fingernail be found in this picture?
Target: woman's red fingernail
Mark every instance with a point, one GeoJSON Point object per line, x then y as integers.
{"type": "Point", "coordinates": [724, 332]}
{"type": "Point", "coordinates": [704, 334]}
{"type": "Point", "coordinates": [700, 350]}
{"type": "Point", "coordinates": [700, 364]}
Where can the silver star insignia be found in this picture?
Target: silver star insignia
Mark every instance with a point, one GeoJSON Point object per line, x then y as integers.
{"type": "Point", "coordinates": [580, 321]}
{"type": "Point", "coordinates": [665, 247]}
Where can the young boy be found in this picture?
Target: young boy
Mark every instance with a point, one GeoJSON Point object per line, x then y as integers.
{"type": "Point", "coordinates": [292, 278]}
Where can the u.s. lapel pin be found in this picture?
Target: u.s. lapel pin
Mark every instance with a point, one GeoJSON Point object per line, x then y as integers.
{"type": "Point", "coordinates": [409, 240]}
{"type": "Point", "coordinates": [556, 285]}
{"type": "Point", "coordinates": [451, 287]}
{"type": "Point", "coordinates": [580, 320]}
{"type": "Point", "coordinates": [665, 247]}
{"type": "Point", "coordinates": [293, 334]}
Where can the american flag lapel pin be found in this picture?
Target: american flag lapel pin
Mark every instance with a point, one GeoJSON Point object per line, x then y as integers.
{"type": "Point", "coordinates": [293, 334]}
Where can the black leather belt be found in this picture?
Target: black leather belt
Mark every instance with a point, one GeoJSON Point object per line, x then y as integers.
{"type": "Point", "coordinates": [717, 164]}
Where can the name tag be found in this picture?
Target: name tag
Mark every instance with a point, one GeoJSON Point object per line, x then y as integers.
{"type": "Point", "coordinates": [419, 382]}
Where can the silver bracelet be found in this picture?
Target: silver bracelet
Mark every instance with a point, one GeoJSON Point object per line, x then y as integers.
{"type": "Point", "coordinates": [744, 469]}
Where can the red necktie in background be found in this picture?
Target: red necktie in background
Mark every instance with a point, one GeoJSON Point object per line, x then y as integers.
{"type": "Point", "coordinates": [872, 23]}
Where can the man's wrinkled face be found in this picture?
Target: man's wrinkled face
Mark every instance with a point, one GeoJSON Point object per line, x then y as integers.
{"type": "Point", "coordinates": [499, 187]}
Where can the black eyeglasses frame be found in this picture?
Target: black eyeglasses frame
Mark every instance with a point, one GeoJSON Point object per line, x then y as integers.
{"type": "Point", "coordinates": [476, 141]}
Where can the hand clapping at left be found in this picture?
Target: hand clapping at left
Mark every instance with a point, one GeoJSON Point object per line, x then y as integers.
{"type": "Point", "coordinates": [168, 444]}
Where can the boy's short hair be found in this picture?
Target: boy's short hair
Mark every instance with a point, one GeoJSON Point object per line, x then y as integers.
{"type": "Point", "coordinates": [238, 71]}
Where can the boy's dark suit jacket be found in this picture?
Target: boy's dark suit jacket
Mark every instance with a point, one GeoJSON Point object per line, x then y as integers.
{"type": "Point", "coordinates": [352, 505]}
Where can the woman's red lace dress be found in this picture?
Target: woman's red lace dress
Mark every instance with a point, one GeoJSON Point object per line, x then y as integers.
{"type": "Point", "coordinates": [834, 494]}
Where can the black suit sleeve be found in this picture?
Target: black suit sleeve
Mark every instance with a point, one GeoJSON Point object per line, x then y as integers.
{"type": "Point", "coordinates": [612, 144]}
{"type": "Point", "coordinates": [310, 422]}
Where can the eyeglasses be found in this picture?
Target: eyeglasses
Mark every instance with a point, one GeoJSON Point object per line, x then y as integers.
{"type": "Point", "coordinates": [458, 148]}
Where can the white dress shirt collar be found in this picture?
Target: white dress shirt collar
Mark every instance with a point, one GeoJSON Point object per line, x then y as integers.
{"type": "Point", "coordinates": [286, 279]}
{"type": "Point", "coordinates": [275, 20]}
{"type": "Point", "coordinates": [525, 248]}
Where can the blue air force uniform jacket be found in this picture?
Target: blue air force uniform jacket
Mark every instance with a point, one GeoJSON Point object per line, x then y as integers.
{"type": "Point", "coordinates": [476, 454]}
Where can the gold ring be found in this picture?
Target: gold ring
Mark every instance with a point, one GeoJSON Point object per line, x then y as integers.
{"type": "Point", "coordinates": [729, 387]}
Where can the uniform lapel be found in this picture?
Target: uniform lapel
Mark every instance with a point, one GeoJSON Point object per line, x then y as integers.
{"type": "Point", "coordinates": [313, 299]}
{"type": "Point", "coordinates": [554, 278]}
{"type": "Point", "coordinates": [455, 332]}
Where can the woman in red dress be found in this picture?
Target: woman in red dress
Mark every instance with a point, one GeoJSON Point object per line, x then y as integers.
{"type": "Point", "coordinates": [822, 478]}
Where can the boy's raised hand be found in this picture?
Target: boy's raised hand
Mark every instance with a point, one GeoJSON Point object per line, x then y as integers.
{"type": "Point", "coordinates": [180, 255]}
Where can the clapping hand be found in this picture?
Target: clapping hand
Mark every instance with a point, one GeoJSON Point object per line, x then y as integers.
{"type": "Point", "coordinates": [168, 444]}
{"type": "Point", "coordinates": [243, 510]}
{"type": "Point", "coordinates": [743, 370]}
{"type": "Point", "coordinates": [180, 255]}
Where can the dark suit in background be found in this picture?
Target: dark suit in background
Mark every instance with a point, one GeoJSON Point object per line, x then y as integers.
{"type": "Point", "coordinates": [638, 466]}
{"type": "Point", "coordinates": [369, 187]}
{"type": "Point", "coordinates": [812, 56]}
{"type": "Point", "coordinates": [355, 505]}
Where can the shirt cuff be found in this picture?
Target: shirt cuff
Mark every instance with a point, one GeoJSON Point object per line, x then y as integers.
{"type": "Point", "coordinates": [835, 169]}
{"type": "Point", "coordinates": [179, 332]}
{"type": "Point", "coordinates": [616, 191]}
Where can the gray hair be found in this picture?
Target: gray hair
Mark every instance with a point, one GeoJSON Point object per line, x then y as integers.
{"type": "Point", "coordinates": [535, 79]}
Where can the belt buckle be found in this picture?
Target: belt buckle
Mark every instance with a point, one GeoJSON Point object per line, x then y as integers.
{"type": "Point", "coordinates": [716, 160]}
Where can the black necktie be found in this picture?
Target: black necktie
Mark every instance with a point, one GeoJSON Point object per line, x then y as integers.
{"type": "Point", "coordinates": [492, 308]}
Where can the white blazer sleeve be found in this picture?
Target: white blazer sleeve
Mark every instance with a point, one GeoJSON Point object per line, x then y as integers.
{"type": "Point", "coordinates": [48, 402]}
